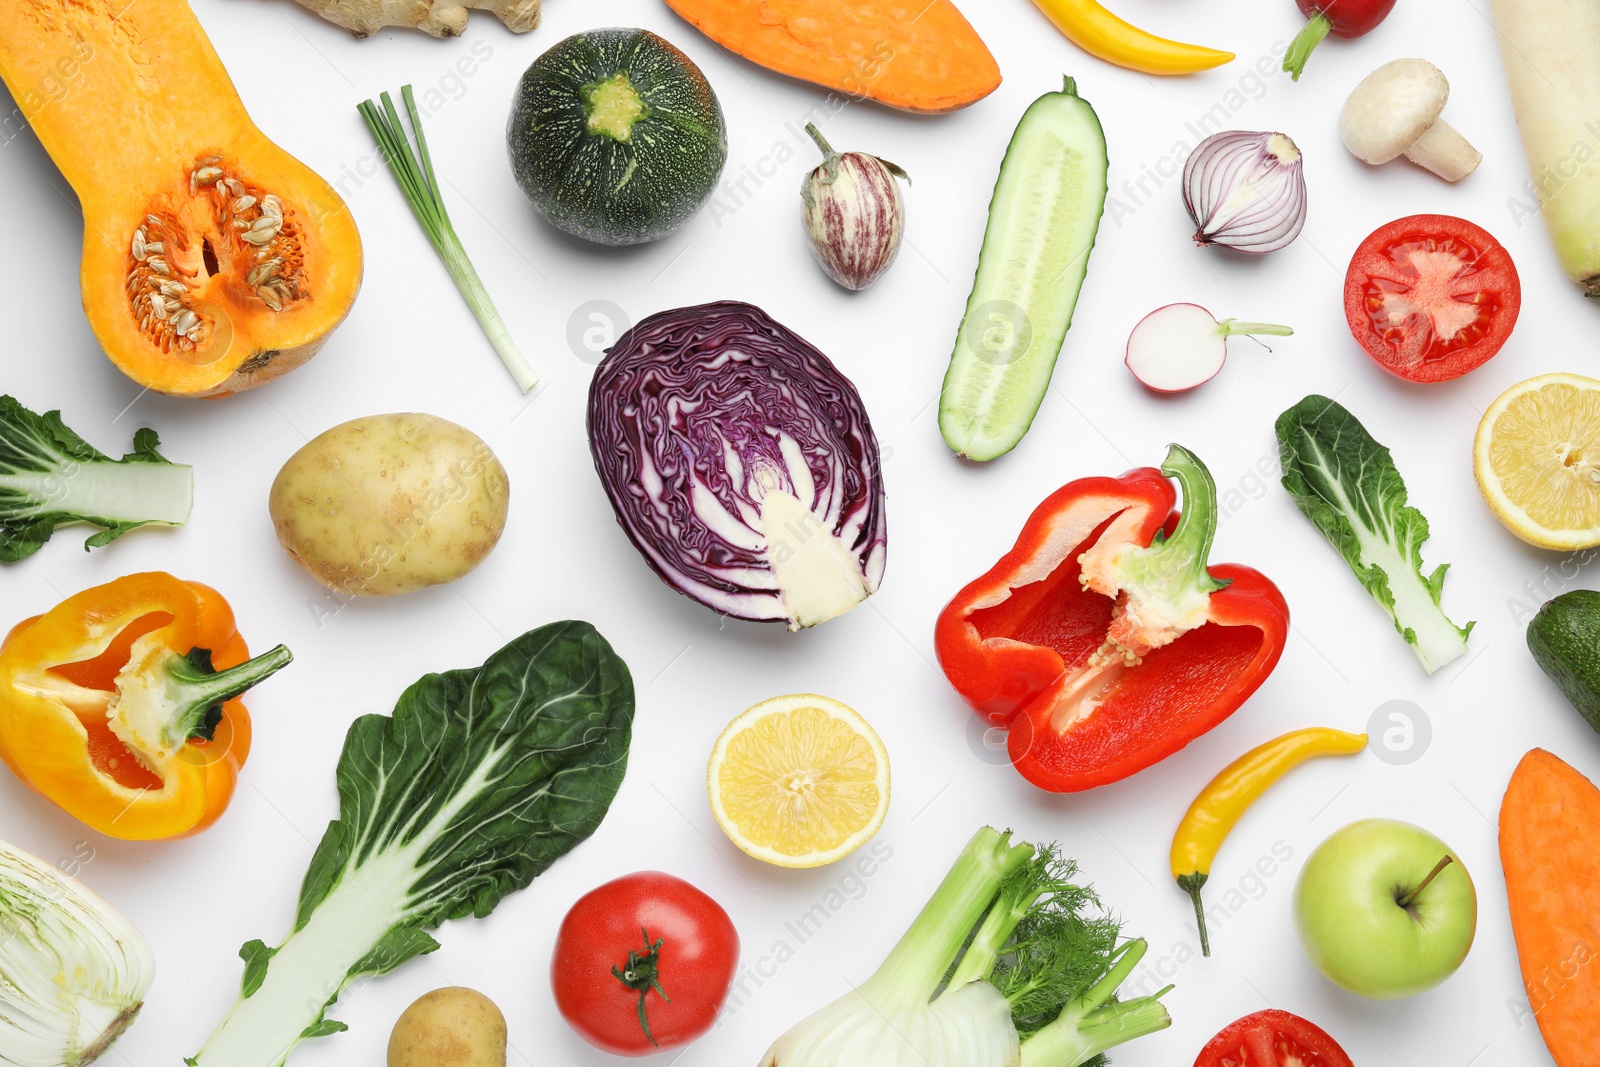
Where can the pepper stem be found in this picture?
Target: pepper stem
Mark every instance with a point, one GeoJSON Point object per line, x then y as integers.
{"type": "Point", "coordinates": [1305, 42]}
{"type": "Point", "coordinates": [643, 973]}
{"type": "Point", "coordinates": [1406, 901]}
{"type": "Point", "coordinates": [1197, 527]}
{"type": "Point", "coordinates": [1191, 883]}
{"type": "Point", "coordinates": [198, 690]}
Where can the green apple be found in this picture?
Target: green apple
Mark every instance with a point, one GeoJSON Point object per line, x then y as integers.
{"type": "Point", "coordinates": [1379, 915]}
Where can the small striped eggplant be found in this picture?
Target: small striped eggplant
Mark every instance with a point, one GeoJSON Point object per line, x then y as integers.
{"type": "Point", "coordinates": [854, 213]}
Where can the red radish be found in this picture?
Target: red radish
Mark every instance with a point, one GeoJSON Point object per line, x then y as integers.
{"type": "Point", "coordinates": [1342, 18]}
{"type": "Point", "coordinates": [1181, 346]}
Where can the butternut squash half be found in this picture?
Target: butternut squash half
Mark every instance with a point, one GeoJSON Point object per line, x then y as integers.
{"type": "Point", "coordinates": [213, 261]}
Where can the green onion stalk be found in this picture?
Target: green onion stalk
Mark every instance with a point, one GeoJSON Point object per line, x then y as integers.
{"type": "Point", "coordinates": [414, 171]}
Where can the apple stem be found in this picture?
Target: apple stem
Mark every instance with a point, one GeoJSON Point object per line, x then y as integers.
{"type": "Point", "coordinates": [1405, 901]}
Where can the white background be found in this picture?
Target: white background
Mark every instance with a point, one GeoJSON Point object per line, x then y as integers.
{"type": "Point", "coordinates": [410, 344]}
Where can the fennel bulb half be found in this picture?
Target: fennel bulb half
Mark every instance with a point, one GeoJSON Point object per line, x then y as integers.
{"type": "Point", "coordinates": [73, 970]}
{"type": "Point", "coordinates": [1008, 965]}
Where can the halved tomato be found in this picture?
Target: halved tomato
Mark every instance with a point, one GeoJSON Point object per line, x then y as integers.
{"type": "Point", "coordinates": [1272, 1039]}
{"type": "Point", "coordinates": [1431, 297]}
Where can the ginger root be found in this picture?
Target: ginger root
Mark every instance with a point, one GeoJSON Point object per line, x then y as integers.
{"type": "Point", "coordinates": [442, 18]}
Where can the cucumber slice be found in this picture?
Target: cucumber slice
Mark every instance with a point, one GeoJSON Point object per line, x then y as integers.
{"type": "Point", "coordinates": [1042, 225]}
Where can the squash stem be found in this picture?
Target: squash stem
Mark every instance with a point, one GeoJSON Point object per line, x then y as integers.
{"type": "Point", "coordinates": [421, 188]}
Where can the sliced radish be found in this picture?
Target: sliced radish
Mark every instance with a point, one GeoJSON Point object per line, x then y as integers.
{"type": "Point", "coordinates": [1182, 346]}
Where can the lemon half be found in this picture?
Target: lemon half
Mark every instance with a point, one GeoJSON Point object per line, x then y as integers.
{"type": "Point", "coordinates": [799, 781]}
{"type": "Point", "coordinates": [1537, 460]}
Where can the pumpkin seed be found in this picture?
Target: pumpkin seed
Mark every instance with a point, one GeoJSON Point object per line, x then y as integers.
{"type": "Point", "coordinates": [269, 298]}
{"type": "Point", "coordinates": [242, 203]}
{"type": "Point", "coordinates": [258, 237]}
{"type": "Point", "coordinates": [208, 160]}
{"type": "Point", "coordinates": [235, 186]}
{"type": "Point", "coordinates": [173, 288]}
{"type": "Point", "coordinates": [158, 265]}
{"type": "Point", "coordinates": [207, 175]}
{"type": "Point", "coordinates": [263, 271]}
{"type": "Point", "coordinates": [185, 322]}
{"type": "Point", "coordinates": [155, 248]}
{"type": "Point", "coordinates": [153, 222]}
{"type": "Point", "coordinates": [138, 249]}
{"type": "Point", "coordinates": [159, 304]}
{"type": "Point", "coordinates": [272, 207]}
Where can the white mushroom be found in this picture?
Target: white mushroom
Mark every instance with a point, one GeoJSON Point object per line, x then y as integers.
{"type": "Point", "coordinates": [1395, 112]}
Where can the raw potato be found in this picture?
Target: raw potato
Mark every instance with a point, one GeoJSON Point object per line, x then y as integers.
{"type": "Point", "coordinates": [390, 504]}
{"type": "Point", "coordinates": [442, 18]}
{"type": "Point", "coordinates": [451, 1027]}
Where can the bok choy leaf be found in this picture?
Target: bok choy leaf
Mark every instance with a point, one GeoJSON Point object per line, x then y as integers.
{"type": "Point", "coordinates": [51, 477]}
{"type": "Point", "coordinates": [479, 781]}
{"type": "Point", "coordinates": [1348, 486]}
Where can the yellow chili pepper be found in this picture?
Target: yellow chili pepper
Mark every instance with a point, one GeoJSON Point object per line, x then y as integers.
{"type": "Point", "coordinates": [1100, 33]}
{"type": "Point", "coordinates": [1224, 801]}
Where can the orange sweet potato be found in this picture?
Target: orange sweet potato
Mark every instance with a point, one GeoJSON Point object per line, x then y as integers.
{"type": "Point", "coordinates": [916, 55]}
{"type": "Point", "coordinates": [1550, 849]}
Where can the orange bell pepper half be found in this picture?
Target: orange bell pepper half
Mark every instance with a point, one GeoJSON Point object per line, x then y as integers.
{"type": "Point", "coordinates": [120, 705]}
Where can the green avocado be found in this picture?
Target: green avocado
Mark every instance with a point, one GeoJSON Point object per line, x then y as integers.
{"type": "Point", "coordinates": [1565, 641]}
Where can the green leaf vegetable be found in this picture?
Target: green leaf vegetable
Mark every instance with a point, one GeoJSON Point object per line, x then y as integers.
{"type": "Point", "coordinates": [1009, 964]}
{"type": "Point", "coordinates": [414, 172]}
{"type": "Point", "coordinates": [50, 477]}
{"type": "Point", "coordinates": [73, 970]}
{"type": "Point", "coordinates": [478, 782]}
{"type": "Point", "coordinates": [1348, 486]}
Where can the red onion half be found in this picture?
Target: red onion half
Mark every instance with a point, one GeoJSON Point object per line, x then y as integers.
{"type": "Point", "coordinates": [1246, 191]}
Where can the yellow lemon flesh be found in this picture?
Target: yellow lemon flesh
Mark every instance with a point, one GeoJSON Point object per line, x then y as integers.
{"type": "Point", "coordinates": [799, 781]}
{"type": "Point", "coordinates": [1537, 460]}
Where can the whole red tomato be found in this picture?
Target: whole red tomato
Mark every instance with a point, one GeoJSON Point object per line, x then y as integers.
{"type": "Point", "coordinates": [1272, 1039]}
{"type": "Point", "coordinates": [1431, 297]}
{"type": "Point", "coordinates": [643, 963]}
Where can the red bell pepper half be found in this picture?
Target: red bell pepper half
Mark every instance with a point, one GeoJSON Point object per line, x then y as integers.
{"type": "Point", "coordinates": [1102, 641]}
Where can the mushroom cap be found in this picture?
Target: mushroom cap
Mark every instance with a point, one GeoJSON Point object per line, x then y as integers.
{"type": "Point", "coordinates": [1391, 108]}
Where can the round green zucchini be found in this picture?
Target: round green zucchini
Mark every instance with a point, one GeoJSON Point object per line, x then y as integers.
{"type": "Point", "coordinates": [616, 136]}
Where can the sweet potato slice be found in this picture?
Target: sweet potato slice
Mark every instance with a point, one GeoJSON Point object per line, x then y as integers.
{"type": "Point", "coordinates": [1550, 849]}
{"type": "Point", "coordinates": [916, 55]}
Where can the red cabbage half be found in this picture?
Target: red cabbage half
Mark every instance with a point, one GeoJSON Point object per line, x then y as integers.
{"type": "Point", "coordinates": [741, 464]}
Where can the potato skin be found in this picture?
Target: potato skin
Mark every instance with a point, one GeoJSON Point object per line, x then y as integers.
{"type": "Point", "coordinates": [450, 1027]}
{"type": "Point", "coordinates": [390, 504]}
